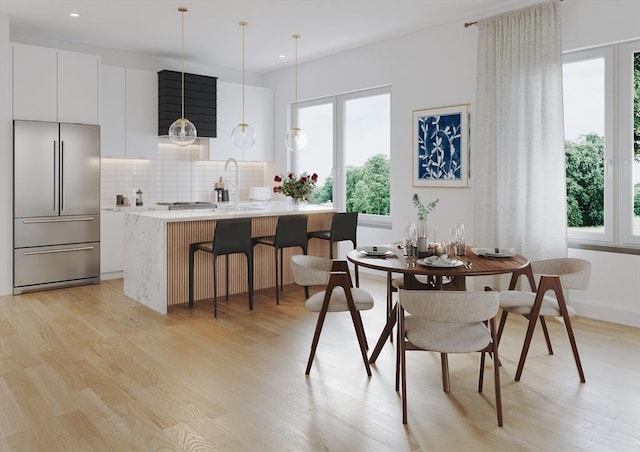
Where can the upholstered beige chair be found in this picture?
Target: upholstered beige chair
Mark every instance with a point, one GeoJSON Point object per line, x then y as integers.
{"type": "Point", "coordinates": [557, 276]}
{"type": "Point", "coordinates": [339, 295]}
{"type": "Point", "coordinates": [448, 322]}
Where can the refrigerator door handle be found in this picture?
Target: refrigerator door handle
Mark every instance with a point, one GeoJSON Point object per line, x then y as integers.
{"type": "Point", "coordinates": [66, 250]}
{"type": "Point", "coordinates": [54, 175]}
{"type": "Point", "coordinates": [61, 220]}
{"type": "Point", "coordinates": [61, 176]}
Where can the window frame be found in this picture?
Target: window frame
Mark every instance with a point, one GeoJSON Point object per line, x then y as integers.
{"type": "Point", "coordinates": [618, 110]}
{"type": "Point", "coordinates": [338, 172]}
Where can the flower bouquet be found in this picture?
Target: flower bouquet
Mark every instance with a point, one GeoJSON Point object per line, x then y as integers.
{"type": "Point", "coordinates": [296, 187]}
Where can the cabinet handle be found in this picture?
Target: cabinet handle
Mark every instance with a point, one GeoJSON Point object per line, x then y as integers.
{"type": "Point", "coordinates": [66, 250]}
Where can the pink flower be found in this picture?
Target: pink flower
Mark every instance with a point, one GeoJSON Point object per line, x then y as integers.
{"type": "Point", "coordinates": [277, 178]}
{"type": "Point", "coordinates": [314, 177]}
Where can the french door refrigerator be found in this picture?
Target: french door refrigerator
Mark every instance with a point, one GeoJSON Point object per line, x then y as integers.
{"type": "Point", "coordinates": [56, 232]}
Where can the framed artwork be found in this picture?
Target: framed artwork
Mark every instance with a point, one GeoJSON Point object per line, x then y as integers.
{"type": "Point", "coordinates": [441, 147]}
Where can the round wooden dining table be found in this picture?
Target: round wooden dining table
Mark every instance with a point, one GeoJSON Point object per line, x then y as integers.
{"type": "Point", "coordinates": [437, 278]}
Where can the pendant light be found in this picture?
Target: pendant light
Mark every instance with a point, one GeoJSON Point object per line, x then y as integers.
{"type": "Point", "coordinates": [182, 132]}
{"type": "Point", "coordinates": [296, 139]}
{"type": "Point", "coordinates": [243, 136]}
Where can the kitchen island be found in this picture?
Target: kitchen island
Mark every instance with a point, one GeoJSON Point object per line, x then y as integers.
{"type": "Point", "coordinates": [156, 264]}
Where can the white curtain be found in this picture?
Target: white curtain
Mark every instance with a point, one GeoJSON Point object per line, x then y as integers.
{"type": "Point", "coordinates": [518, 150]}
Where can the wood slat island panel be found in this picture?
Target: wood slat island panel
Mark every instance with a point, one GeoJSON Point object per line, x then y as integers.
{"type": "Point", "coordinates": [181, 234]}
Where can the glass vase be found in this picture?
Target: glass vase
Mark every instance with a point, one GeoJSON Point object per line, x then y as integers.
{"type": "Point", "coordinates": [421, 233]}
{"type": "Point", "coordinates": [297, 203]}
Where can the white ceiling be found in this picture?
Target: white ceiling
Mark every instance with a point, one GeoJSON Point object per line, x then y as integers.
{"type": "Point", "coordinates": [213, 36]}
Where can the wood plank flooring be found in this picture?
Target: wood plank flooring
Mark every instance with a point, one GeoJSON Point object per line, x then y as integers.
{"type": "Point", "coordinates": [87, 369]}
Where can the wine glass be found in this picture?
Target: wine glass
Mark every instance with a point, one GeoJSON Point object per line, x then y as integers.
{"type": "Point", "coordinates": [409, 239]}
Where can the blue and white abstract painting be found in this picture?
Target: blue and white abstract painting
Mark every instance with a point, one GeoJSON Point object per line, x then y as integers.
{"type": "Point", "coordinates": [441, 151]}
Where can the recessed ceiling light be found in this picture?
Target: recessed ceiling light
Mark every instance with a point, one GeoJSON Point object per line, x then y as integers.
{"type": "Point", "coordinates": [74, 14]}
{"type": "Point", "coordinates": [282, 56]}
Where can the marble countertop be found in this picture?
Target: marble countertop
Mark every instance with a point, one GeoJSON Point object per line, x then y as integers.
{"type": "Point", "coordinates": [257, 209]}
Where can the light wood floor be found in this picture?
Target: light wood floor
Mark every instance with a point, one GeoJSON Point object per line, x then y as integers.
{"type": "Point", "coordinates": [87, 369]}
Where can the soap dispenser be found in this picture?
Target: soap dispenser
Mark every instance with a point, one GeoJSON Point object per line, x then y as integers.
{"type": "Point", "coordinates": [139, 198]}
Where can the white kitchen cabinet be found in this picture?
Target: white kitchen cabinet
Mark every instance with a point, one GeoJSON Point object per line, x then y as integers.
{"type": "Point", "coordinates": [128, 113]}
{"type": "Point", "coordinates": [112, 108]}
{"type": "Point", "coordinates": [141, 113]}
{"type": "Point", "coordinates": [78, 89]}
{"type": "Point", "coordinates": [111, 244]}
{"type": "Point", "coordinates": [55, 85]}
{"type": "Point", "coordinates": [258, 114]}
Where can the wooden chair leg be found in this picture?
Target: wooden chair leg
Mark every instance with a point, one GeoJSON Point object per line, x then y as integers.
{"type": "Point", "coordinates": [481, 372]}
{"type": "Point", "coordinates": [567, 323]}
{"type": "Point", "coordinates": [503, 321]}
{"type": "Point", "coordinates": [361, 325]}
{"type": "Point", "coordinates": [444, 360]}
{"type": "Point", "coordinates": [399, 344]}
{"type": "Point", "coordinates": [543, 323]}
{"type": "Point", "coordinates": [403, 374]}
{"type": "Point", "coordinates": [362, 341]}
{"type": "Point", "coordinates": [496, 371]}
{"type": "Point", "coordinates": [533, 317]}
{"type": "Point", "coordinates": [316, 338]}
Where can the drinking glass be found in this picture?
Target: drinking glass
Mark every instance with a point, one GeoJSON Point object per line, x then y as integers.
{"type": "Point", "coordinates": [460, 245]}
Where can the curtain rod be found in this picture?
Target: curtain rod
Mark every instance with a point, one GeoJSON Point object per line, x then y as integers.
{"type": "Point", "coordinates": [468, 24]}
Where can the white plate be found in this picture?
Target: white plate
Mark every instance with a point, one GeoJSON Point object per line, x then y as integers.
{"type": "Point", "coordinates": [440, 263]}
{"type": "Point", "coordinates": [494, 252]}
{"type": "Point", "coordinates": [376, 251]}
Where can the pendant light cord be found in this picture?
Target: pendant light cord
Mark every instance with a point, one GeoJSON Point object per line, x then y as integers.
{"type": "Point", "coordinates": [182, 11]}
{"type": "Point", "coordinates": [296, 37]}
{"type": "Point", "coordinates": [243, 25]}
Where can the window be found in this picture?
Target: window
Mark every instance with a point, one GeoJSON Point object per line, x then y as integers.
{"type": "Point", "coordinates": [602, 145]}
{"type": "Point", "coordinates": [349, 148]}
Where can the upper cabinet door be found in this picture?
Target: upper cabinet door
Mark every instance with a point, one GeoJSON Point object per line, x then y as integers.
{"type": "Point", "coordinates": [112, 108]}
{"type": "Point", "coordinates": [141, 113]}
{"type": "Point", "coordinates": [53, 85]}
{"type": "Point", "coordinates": [35, 83]}
{"type": "Point", "coordinates": [78, 87]}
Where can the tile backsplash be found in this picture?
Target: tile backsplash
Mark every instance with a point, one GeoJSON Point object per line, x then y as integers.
{"type": "Point", "coordinates": [176, 174]}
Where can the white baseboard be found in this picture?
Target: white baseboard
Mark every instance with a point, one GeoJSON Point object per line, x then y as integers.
{"type": "Point", "coordinates": [111, 275]}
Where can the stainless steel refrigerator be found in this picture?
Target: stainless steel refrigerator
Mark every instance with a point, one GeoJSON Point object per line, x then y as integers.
{"type": "Point", "coordinates": [56, 195]}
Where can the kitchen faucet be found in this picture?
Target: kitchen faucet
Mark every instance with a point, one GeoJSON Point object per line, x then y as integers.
{"type": "Point", "coordinates": [235, 183]}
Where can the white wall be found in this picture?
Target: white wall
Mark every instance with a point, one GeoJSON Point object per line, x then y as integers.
{"type": "Point", "coordinates": [437, 67]}
{"type": "Point", "coordinates": [6, 161]}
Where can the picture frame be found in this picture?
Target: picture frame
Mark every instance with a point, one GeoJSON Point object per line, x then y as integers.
{"type": "Point", "coordinates": [441, 146]}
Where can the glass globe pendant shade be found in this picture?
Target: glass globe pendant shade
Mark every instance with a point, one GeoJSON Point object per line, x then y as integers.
{"type": "Point", "coordinates": [243, 136]}
{"type": "Point", "coordinates": [296, 139]}
{"type": "Point", "coordinates": [182, 132]}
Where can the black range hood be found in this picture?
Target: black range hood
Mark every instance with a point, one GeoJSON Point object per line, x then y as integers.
{"type": "Point", "coordinates": [199, 101]}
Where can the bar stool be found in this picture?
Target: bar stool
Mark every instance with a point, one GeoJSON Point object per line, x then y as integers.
{"type": "Point", "coordinates": [343, 227]}
{"type": "Point", "coordinates": [229, 237]}
{"type": "Point", "coordinates": [291, 230]}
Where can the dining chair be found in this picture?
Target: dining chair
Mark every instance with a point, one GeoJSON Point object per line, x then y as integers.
{"type": "Point", "coordinates": [229, 237]}
{"type": "Point", "coordinates": [344, 227]}
{"type": "Point", "coordinates": [555, 275]}
{"type": "Point", "coordinates": [339, 295]}
{"type": "Point", "coordinates": [291, 231]}
{"type": "Point", "coordinates": [310, 271]}
{"type": "Point", "coordinates": [447, 322]}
